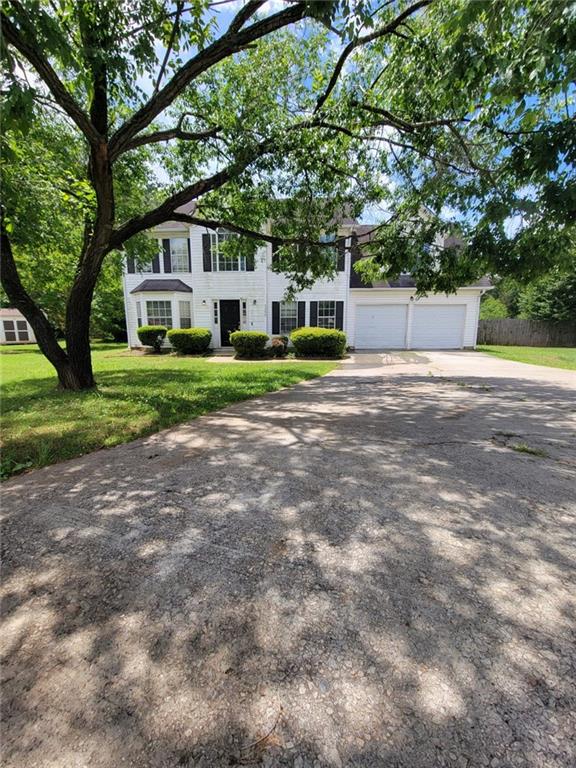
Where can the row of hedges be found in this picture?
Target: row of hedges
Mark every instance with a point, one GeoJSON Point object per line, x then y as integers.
{"type": "Point", "coordinates": [308, 342]}
{"type": "Point", "coordinates": [186, 341]}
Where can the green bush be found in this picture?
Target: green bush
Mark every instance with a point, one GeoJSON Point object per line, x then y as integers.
{"type": "Point", "coordinates": [152, 335]}
{"type": "Point", "coordinates": [249, 343]}
{"type": "Point", "coordinates": [190, 341]}
{"type": "Point", "coordinates": [318, 342]}
{"type": "Point", "coordinates": [492, 308]}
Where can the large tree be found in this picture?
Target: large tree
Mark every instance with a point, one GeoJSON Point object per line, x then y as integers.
{"type": "Point", "coordinates": [454, 115]}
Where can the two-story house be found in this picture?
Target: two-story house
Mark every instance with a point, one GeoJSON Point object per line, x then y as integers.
{"type": "Point", "coordinates": [191, 282]}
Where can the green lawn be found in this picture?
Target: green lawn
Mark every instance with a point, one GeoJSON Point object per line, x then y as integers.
{"type": "Point", "coordinates": [136, 395]}
{"type": "Point", "coordinates": [555, 357]}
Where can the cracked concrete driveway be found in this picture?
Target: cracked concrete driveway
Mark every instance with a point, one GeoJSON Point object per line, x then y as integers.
{"type": "Point", "coordinates": [375, 568]}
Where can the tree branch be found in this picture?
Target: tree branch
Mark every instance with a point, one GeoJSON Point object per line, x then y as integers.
{"type": "Point", "coordinates": [175, 25]}
{"type": "Point", "coordinates": [172, 133]}
{"type": "Point", "coordinates": [251, 233]}
{"type": "Point", "coordinates": [204, 60]}
{"type": "Point", "coordinates": [243, 15]}
{"type": "Point", "coordinates": [21, 300]}
{"type": "Point", "coordinates": [32, 53]}
{"type": "Point", "coordinates": [364, 40]}
{"type": "Point", "coordinates": [166, 210]}
{"type": "Point", "coordinates": [404, 125]}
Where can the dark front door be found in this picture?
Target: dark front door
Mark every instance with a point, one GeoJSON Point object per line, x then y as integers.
{"type": "Point", "coordinates": [229, 320]}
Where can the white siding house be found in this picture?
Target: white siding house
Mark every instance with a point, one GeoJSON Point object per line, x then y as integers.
{"type": "Point", "coordinates": [190, 283]}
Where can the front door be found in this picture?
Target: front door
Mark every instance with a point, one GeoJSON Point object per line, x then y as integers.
{"type": "Point", "coordinates": [229, 319]}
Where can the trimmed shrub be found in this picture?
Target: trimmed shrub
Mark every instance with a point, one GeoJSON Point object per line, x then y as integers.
{"type": "Point", "coordinates": [279, 346]}
{"type": "Point", "coordinates": [249, 343]}
{"type": "Point", "coordinates": [190, 341]}
{"type": "Point", "coordinates": [152, 335]}
{"type": "Point", "coordinates": [318, 342]}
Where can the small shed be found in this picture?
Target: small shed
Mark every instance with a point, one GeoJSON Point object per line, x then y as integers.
{"type": "Point", "coordinates": [14, 328]}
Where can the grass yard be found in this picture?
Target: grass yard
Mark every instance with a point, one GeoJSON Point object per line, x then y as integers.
{"type": "Point", "coordinates": [136, 395]}
{"type": "Point", "coordinates": [554, 357]}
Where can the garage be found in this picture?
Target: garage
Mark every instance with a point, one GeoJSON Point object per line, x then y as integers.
{"type": "Point", "coordinates": [381, 326]}
{"type": "Point", "coordinates": [437, 326]}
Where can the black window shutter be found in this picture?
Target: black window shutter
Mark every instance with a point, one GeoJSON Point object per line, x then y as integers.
{"type": "Point", "coordinates": [189, 255]}
{"type": "Point", "coordinates": [130, 265]}
{"type": "Point", "coordinates": [206, 253]}
{"type": "Point", "coordinates": [250, 258]}
{"type": "Point", "coordinates": [340, 315]}
{"type": "Point", "coordinates": [341, 255]}
{"type": "Point", "coordinates": [275, 317]}
{"type": "Point", "coordinates": [275, 256]}
{"type": "Point", "coordinates": [156, 263]}
{"type": "Point", "coordinates": [301, 314]}
{"type": "Point", "coordinates": [167, 256]}
{"type": "Point", "coordinates": [313, 313]}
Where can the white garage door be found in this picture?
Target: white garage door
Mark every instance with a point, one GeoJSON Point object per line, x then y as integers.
{"type": "Point", "coordinates": [437, 326]}
{"type": "Point", "coordinates": [381, 326]}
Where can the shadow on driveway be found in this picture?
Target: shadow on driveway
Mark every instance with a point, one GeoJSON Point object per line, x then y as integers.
{"type": "Point", "coordinates": [358, 571]}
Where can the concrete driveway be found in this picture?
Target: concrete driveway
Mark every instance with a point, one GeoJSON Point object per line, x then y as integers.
{"type": "Point", "coordinates": [375, 568]}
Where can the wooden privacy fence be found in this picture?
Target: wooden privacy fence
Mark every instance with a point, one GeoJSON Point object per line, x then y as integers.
{"type": "Point", "coordinates": [527, 333]}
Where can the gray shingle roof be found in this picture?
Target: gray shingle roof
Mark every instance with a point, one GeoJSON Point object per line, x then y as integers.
{"type": "Point", "coordinates": [162, 285]}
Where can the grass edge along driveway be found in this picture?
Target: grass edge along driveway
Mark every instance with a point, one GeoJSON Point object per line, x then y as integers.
{"type": "Point", "coordinates": [553, 357]}
{"type": "Point", "coordinates": [137, 395]}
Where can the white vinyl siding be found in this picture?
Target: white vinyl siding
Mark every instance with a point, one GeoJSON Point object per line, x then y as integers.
{"type": "Point", "coordinates": [381, 326]}
{"type": "Point", "coordinates": [159, 313]}
{"type": "Point", "coordinates": [436, 326]}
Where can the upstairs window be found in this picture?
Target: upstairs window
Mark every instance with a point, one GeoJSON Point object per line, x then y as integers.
{"type": "Point", "coordinates": [179, 254]}
{"type": "Point", "coordinates": [223, 262]}
{"type": "Point", "coordinates": [326, 314]}
{"type": "Point", "coordinates": [332, 252]}
{"type": "Point", "coordinates": [159, 313]}
{"type": "Point", "coordinates": [288, 317]}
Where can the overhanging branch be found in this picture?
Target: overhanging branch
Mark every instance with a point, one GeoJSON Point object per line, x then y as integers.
{"type": "Point", "coordinates": [220, 49]}
{"type": "Point", "coordinates": [32, 53]}
{"type": "Point", "coordinates": [387, 29]}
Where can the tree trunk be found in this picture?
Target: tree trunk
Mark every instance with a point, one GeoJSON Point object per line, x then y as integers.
{"type": "Point", "coordinates": [79, 374]}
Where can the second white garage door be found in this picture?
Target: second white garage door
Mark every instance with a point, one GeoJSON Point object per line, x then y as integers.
{"type": "Point", "coordinates": [437, 326]}
{"type": "Point", "coordinates": [381, 326]}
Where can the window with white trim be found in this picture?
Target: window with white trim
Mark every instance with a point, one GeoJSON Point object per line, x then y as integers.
{"type": "Point", "coordinates": [244, 311]}
{"type": "Point", "coordinates": [145, 268]}
{"type": "Point", "coordinates": [179, 254]}
{"type": "Point", "coordinates": [22, 328]}
{"type": "Point", "coordinates": [223, 262]}
{"type": "Point", "coordinates": [215, 313]}
{"type": "Point", "coordinates": [288, 317]}
{"type": "Point", "coordinates": [139, 313]}
{"type": "Point", "coordinates": [185, 314]}
{"type": "Point", "coordinates": [159, 313]}
{"type": "Point", "coordinates": [326, 314]}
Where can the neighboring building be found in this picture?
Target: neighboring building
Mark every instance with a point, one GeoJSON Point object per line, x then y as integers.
{"type": "Point", "coordinates": [191, 283]}
{"type": "Point", "coordinates": [14, 328]}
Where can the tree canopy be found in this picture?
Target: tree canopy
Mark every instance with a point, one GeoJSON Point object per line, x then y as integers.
{"type": "Point", "coordinates": [445, 116]}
